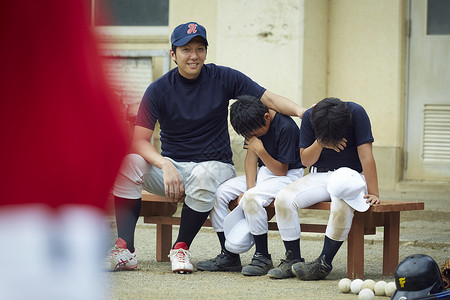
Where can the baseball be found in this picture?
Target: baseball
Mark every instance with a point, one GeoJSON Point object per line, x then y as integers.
{"type": "Point", "coordinates": [379, 288]}
{"type": "Point", "coordinates": [369, 284]}
{"type": "Point", "coordinates": [344, 285]}
{"type": "Point", "coordinates": [390, 288]}
{"type": "Point", "coordinates": [366, 294]}
{"type": "Point", "coordinates": [355, 286]}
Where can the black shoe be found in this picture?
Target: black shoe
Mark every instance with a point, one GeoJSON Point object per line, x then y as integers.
{"type": "Point", "coordinates": [284, 269]}
{"type": "Point", "coordinates": [222, 262]}
{"type": "Point", "coordinates": [259, 266]}
{"type": "Point", "coordinates": [315, 270]}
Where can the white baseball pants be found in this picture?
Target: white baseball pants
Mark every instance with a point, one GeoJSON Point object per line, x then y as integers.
{"type": "Point", "coordinates": [305, 192]}
{"type": "Point", "coordinates": [254, 199]}
{"type": "Point", "coordinates": [200, 180]}
{"type": "Point", "coordinates": [49, 254]}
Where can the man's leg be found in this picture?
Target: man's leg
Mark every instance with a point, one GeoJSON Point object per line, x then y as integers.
{"type": "Point", "coordinates": [127, 202]}
{"type": "Point", "coordinates": [200, 189]}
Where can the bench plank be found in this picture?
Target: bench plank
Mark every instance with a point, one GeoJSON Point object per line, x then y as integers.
{"type": "Point", "coordinates": [159, 210]}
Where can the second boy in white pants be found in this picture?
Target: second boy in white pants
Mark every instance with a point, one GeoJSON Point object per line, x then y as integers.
{"type": "Point", "coordinates": [272, 162]}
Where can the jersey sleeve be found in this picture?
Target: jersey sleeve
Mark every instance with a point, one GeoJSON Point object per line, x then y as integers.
{"type": "Point", "coordinates": [307, 135]}
{"type": "Point", "coordinates": [362, 126]}
{"type": "Point", "coordinates": [288, 143]}
{"type": "Point", "coordinates": [148, 109]}
{"type": "Point", "coordinates": [240, 84]}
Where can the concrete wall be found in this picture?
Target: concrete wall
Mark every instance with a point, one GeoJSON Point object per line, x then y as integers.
{"type": "Point", "coordinates": [367, 65]}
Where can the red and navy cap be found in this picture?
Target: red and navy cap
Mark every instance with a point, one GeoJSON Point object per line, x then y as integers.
{"type": "Point", "coordinates": [183, 33]}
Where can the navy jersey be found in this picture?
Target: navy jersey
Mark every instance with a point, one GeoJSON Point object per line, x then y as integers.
{"type": "Point", "coordinates": [281, 141]}
{"type": "Point", "coordinates": [359, 132]}
{"type": "Point", "coordinates": [193, 114]}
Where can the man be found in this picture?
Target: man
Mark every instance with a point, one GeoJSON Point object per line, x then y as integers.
{"type": "Point", "coordinates": [190, 103]}
{"type": "Point", "coordinates": [272, 162]}
{"type": "Point", "coordinates": [333, 135]}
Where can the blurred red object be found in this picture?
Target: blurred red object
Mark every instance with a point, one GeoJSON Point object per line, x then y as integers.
{"type": "Point", "coordinates": [61, 138]}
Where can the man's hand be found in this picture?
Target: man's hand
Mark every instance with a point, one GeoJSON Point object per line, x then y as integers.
{"type": "Point", "coordinates": [173, 184]}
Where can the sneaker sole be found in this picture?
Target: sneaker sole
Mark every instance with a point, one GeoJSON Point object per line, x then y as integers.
{"type": "Point", "coordinates": [309, 277]}
{"type": "Point", "coordinates": [251, 273]}
{"type": "Point", "coordinates": [273, 276]}
{"type": "Point", "coordinates": [124, 269]}
{"type": "Point", "coordinates": [234, 269]}
{"type": "Point", "coordinates": [182, 271]}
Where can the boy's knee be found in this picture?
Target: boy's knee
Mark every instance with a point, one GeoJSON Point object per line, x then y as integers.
{"type": "Point", "coordinates": [283, 199]}
{"type": "Point", "coordinates": [249, 203]}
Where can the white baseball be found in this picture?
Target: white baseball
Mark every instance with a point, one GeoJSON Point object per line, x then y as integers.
{"type": "Point", "coordinates": [369, 284]}
{"type": "Point", "coordinates": [366, 294]}
{"type": "Point", "coordinates": [390, 288]}
{"type": "Point", "coordinates": [379, 288]}
{"type": "Point", "coordinates": [355, 286]}
{"type": "Point", "coordinates": [344, 285]}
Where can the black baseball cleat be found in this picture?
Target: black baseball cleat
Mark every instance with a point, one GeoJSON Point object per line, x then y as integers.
{"type": "Point", "coordinates": [315, 270]}
{"type": "Point", "coordinates": [221, 263]}
{"type": "Point", "coordinates": [284, 269]}
{"type": "Point", "coordinates": [259, 266]}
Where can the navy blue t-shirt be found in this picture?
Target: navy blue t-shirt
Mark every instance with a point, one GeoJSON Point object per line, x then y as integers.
{"type": "Point", "coordinates": [281, 141]}
{"type": "Point", "coordinates": [193, 114]}
{"type": "Point", "coordinates": [359, 132]}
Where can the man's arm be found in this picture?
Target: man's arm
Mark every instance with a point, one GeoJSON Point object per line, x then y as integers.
{"type": "Point", "coordinates": [277, 168]}
{"type": "Point", "coordinates": [173, 184]}
{"type": "Point", "coordinates": [370, 172]}
{"type": "Point", "coordinates": [282, 105]}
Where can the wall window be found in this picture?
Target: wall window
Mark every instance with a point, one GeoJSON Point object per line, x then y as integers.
{"type": "Point", "coordinates": [438, 20]}
{"type": "Point", "coordinates": [129, 12]}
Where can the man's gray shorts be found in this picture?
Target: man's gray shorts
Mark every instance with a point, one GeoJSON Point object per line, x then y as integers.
{"type": "Point", "coordinates": [200, 180]}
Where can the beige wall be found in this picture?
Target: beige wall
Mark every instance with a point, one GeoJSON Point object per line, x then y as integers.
{"type": "Point", "coordinates": [203, 12]}
{"type": "Point", "coordinates": [261, 38]}
{"type": "Point", "coordinates": [310, 49]}
{"type": "Point", "coordinates": [366, 64]}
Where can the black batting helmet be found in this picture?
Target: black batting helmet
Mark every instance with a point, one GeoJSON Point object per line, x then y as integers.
{"type": "Point", "coordinates": [416, 276]}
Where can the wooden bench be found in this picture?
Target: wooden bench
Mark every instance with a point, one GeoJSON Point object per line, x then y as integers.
{"type": "Point", "coordinates": [159, 210]}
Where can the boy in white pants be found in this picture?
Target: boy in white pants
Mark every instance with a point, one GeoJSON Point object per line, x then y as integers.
{"type": "Point", "coordinates": [272, 162]}
{"type": "Point", "coordinates": [335, 137]}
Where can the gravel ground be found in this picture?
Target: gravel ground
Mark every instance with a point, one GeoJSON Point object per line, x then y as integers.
{"type": "Point", "coordinates": [426, 232]}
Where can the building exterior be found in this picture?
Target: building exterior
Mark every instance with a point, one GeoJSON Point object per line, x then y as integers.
{"type": "Point", "coordinates": [391, 56]}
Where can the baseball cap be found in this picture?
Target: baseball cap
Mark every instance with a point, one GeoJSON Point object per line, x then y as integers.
{"type": "Point", "coordinates": [238, 238]}
{"type": "Point", "coordinates": [348, 185]}
{"type": "Point", "coordinates": [416, 276]}
{"type": "Point", "coordinates": [183, 33]}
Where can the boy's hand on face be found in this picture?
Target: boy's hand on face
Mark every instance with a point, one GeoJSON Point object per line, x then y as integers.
{"type": "Point", "coordinates": [254, 144]}
{"type": "Point", "coordinates": [340, 146]}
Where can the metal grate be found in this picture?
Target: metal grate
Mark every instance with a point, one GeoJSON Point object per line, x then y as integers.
{"type": "Point", "coordinates": [436, 133]}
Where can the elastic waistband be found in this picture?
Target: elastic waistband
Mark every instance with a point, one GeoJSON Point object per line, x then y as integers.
{"type": "Point", "coordinates": [313, 169]}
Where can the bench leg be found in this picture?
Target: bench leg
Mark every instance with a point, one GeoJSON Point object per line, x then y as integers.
{"type": "Point", "coordinates": [355, 248]}
{"type": "Point", "coordinates": [391, 242]}
{"type": "Point", "coordinates": [163, 242]}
